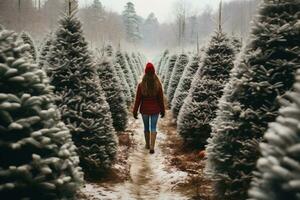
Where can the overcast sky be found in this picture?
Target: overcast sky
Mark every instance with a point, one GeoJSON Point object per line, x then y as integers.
{"type": "Point", "coordinates": [161, 8]}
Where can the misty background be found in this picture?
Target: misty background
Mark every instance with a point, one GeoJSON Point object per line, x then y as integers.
{"type": "Point", "coordinates": [179, 24]}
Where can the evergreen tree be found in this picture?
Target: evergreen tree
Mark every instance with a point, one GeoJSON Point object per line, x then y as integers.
{"type": "Point", "coordinates": [1, 27]}
{"type": "Point", "coordinates": [43, 57]}
{"type": "Point", "coordinates": [160, 66]}
{"type": "Point", "coordinates": [278, 166]}
{"type": "Point", "coordinates": [27, 39]}
{"type": "Point", "coordinates": [125, 86]}
{"type": "Point", "coordinates": [179, 67]}
{"type": "Point", "coordinates": [149, 31]}
{"type": "Point", "coordinates": [121, 60]}
{"type": "Point", "coordinates": [132, 68]}
{"type": "Point", "coordinates": [115, 97]}
{"type": "Point", "coordinates": [169, 69]}
{"type": "Point", "coordinates": [37, 156]}
{"type": "Point", "coordinates": [97, 5]}
{"type": "Point", "coordinates": [137, 64]}
{"type": "Point", "coordinates": [236, 43]}
{"type": "Point", "coordinates": [158, 63]}
{"type": "Point", "coordinates": [184, 85]}
{"type": "Point", "coordinates": [265, 70]}
{"type": "Point", "coordinates": [81, 98]}
{"type": "Point", "coordinates": [109, 51]}
{"type": "Point", "coordinates": [141, 59]}
{"type": "Point", "coordinates": [207, 87]}
{"type": "Point", "coordinates": [131, 23]}
{"type": "Point", "coordinates": [164, 68]}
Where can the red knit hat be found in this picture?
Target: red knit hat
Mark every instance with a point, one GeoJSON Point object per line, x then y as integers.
{"type": "Point", "coordinates": [149, 68]}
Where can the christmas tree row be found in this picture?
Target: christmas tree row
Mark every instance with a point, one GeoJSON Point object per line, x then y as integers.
{"type": "Point", "coordinates": [228, 105]}
{"type": "Point", "coordinates": [61, 109]}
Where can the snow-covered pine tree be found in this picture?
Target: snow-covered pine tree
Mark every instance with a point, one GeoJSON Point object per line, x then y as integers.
{"type": "Point", "coordinates": [137, 64]}
{"type": "Point", "coordinates": [160, 62]}
{"type": "Point", "coordinates": [179, 67]}
{"type": "Point", "coordinates": [81, 98]}
{"type": "Point", "coordinates": [43, 56]}
{"type": "Point", "coordinates": [134, 65]}
{"type": "Point", "coordinates": [207, 87]}
{"type": "Point", "coordinates": [38, 159]}
{"type": "Point", "coordinates": [138, 60]}
{"type": "Point", "coordinates": [27, 39]}
{"type": "Point", "coordinates": [124, 83]}
{"type": "Point", "coordinates": [164, 68]}
{"type": "Point", "coordinates": [109, 50]}
{"type": "Point", "coordinates": [184, 85]}
{"type": "Point", "coordinates": [265, 70]}
{"type": "Point", "coordinates": [140, 66]}
{"type": "Point", "coordinates": [141, 60]}
{"type": "Point", "coordinates": [168, 72]}
{"type": "Point", "coordinates": [157, 63]}
{"type": "Point", "coordinates": [121, 60]}
{"type": "Point", "coordinates": [132, 68]}
{"type": "Point", "coordinates": [164, 64]}
{"type": "Point", "coordinates": [236, 43]}
{"type": "Point", "coordinates": [114, 93]}
{"type": "Point", "coordinates": [149, 27]}
{"type": "Point", "coordinates": [278, 166]}
{"type": "Point", "coordinates": [131, 23]}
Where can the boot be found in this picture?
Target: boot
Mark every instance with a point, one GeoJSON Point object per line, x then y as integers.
{"type": "Point", "coordinates": [152, 143]}
{"type": "Point", "coordinates": [147, 139]}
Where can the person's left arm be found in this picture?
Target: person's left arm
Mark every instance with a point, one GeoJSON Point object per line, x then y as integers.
{"type": "Point", "coordinates": [161, 102]}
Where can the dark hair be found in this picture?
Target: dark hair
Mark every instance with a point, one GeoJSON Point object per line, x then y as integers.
{"type": "Point", "coordinates": [150, 85]}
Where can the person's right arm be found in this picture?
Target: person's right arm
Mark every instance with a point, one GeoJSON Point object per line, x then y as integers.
{"type": "Point", "coordinates": [137, 103]}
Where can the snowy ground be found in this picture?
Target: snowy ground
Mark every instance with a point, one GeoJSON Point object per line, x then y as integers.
{"type": "Point", "coordinates": [150, 175]}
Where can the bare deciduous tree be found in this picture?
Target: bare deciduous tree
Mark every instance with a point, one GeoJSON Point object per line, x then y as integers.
{"type": "Point", "coordinates": [181, 12]}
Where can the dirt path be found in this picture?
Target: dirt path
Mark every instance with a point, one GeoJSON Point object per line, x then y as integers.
{"type": "Point", "coordinates": [150, 176]}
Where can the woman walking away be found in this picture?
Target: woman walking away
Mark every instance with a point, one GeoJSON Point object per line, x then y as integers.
{"type": "Point", "coordinates": [150, 100]}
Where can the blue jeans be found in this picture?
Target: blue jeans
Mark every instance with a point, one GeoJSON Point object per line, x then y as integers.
{"type": "Point", "coordinates": [150, 120]}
